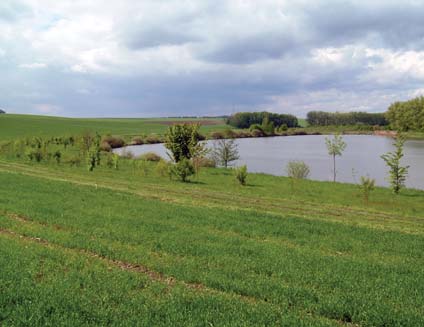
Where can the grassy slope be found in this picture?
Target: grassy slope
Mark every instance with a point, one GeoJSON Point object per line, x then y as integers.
{"type": "Point", "coordinates": [211, 251]}
{"type": "Point", "coordinates": [16, 126]}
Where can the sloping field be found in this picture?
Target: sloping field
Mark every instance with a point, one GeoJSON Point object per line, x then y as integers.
{"type": "Point", "coordinates": [16, 126]}
{"type": "Point", "coordinates": [117, 248]}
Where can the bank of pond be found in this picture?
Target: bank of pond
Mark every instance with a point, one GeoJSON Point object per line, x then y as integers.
{"type": "Point", "coordinates": [362, 157]}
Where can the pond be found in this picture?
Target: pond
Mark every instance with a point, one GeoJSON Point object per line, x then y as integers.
{"type": "Point", "coordinates": [361, 158]}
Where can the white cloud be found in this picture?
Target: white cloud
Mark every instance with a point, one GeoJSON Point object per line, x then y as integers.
{"type": "Point", "coordinates": [33, 65]}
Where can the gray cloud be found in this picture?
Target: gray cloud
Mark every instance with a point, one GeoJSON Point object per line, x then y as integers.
{"type": "Point", "coordinates": [153, 59]}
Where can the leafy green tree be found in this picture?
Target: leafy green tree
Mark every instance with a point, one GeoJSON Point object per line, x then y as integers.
{"type": "Point", "coordinates": [181, 140]}
{"type": "Point", "coordinates": [335, 147]}
{"type": "Point", "coordinates": [397, 172]}
{"type": "Point", "coordinates": [225, 151]}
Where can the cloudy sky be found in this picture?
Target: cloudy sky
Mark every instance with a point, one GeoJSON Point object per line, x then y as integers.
{"type": "Point", "coordinates": [96, 58]}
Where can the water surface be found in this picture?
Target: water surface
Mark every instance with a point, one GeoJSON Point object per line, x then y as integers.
{"type": "Point", "coordinates": [361, 158]}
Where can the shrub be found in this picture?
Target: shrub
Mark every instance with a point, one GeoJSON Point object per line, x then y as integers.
{"type": "Point", "coordinates": [113, 141]}
{"type": "Point", "coordinates": [115, 161]}
{"type": "Point", "coordinates": [74, 161]}
{"type": "Point", "coordinates": [283, 128]}
{"type": "Point", "coordinates": [104, 146]}
{"type": "Point", "coordinates": [257, 133]}
{"type": "Point", "coordinates": [91, 160]}
{"type": "Point", "coordinates": [163, 168]}
{"type": "Point", "coordinates": [242, 134]}
{"type": "Point", "coordinates": [241, 174]}
{"type": "Point", "coordinates": [35, 155]}
{"type": "Point", "coordinates": [57, 156]}
{"type": "Point", "coordinates": [141, 167]}
{"type": "Point", "coordinates": [138, 140]}
{"type": "Point", "coordinates": [367, 185]}
{"type": "Point", "coordinates": [217, 135]}
{"type": "Point", "coordinates": [182, 170]}
{"type": "Point", "coordinates": [150, 156]}
{"type": "Point", "coordinates": [229, 134]}
{"type": "Point", "coordinates": [153, 139]}
{"type": "Point", "coordinates": [297, 170]}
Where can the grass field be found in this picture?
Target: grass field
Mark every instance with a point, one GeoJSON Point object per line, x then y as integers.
{"type": "Point", "coordinates": [128, 247]}
{"type": "Point", "coordinates": [18, 126]}
{"type": "Point", "coordinates": [118, 248]}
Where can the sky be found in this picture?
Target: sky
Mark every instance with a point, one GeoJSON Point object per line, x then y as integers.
{"type": "Point", "coordinates": [128, 58]}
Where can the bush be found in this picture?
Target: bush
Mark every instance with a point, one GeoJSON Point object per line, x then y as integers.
{"type": "Point", "coordinates": [241, 174]}
{"type": "Point", "coordinates": [113, 141]}
{"type": "Point", "coordinates": [138, 140]}
{"type": "Point", "coordinates": [163, 168]}
{"type": "Point", "coordinates": [57, 155]}
{"type": "Point", "coordinates": [35, 155]}
{"type": "Point", "coordinates": [217, 135]}
{"type": "Point", "coordinates": [74, 161]}
{"type": "Point", "coordinates": [150, 156]}
{"type": "Point", "coordinates": [141, 167]}
{"type": "Point", "coordinates": [257, 133]}
{"type": "Point", "coordinates": [283, 128]}
{"type": "Point", "coordinates": [367, 185]}
{"type": "Point", "coordinates": [153, 139]}
{"type": "Point", "coordinates": [182, 170]}
{"type": "Point", "coordinates": [104, 146]}
{"type": "Point", "coordinates": [297, 170]}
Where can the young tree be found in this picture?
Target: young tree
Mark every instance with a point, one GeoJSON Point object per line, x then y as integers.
{"type": "Point", "coordinates": [335, 147]}
{"type": "Point", "coordinates": [182, 170]}
{"type": "Point", "coordinates": [181, 140]}
{"type": "Point", "coordinates": [397, 173]}
{"type": "Point", "coordinates": [241, 174]}
{"type": "Point", "coordinates": [225, 151]}
{"type": "Point", "coordinates": [367, 185]}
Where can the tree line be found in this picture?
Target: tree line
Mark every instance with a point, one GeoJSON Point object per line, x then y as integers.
{"type": "Point", "coordinates": [323, 118]}
{"type": "Point", "coordinates": [247, 119]}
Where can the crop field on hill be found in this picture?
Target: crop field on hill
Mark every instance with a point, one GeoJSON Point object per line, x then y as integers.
{"type": "Point", "coordinates": [18, 126]}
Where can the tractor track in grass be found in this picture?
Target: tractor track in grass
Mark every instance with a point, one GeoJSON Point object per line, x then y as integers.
{"type": "Point", "coordinates": [156, 276]}
{"type": "Point", "coordinates": [303, 209]}
{"type": "Point", "coordinates": [210, 230]}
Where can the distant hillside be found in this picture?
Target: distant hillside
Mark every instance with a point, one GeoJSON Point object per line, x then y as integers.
{"type": "Point", "coordinates": [14, 126]}
{"type": "Point", "coordinates": [2, 111]}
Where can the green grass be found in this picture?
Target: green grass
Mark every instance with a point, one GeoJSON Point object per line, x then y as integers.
{"type": "Point", "coordinates": [18, 126]}
{"type": "Point", "coordinates": [114, 247]}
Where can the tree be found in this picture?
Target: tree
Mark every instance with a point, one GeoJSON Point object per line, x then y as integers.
{"type": "Point", "coordinates": [397, 173]}
{"type": "Point", "coordinates": [225, 151]}
{"type": "Point", "coordinates": [335, 147]}
{"type": "Point", "coordinates": [181, 140]}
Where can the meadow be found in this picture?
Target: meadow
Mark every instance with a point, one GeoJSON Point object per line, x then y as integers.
{"type": "Point", "coordinates": [130, 247]}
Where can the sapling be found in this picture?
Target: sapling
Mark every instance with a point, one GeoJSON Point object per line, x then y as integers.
{"type": "Point", "coordinates": [241, 174]}
{"type": "Point", "coordinates": [367, 185]}
{"type": "Point", "coordinates": [397, 172]}
{"type": "Point", "coordinates": [335, 147]}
